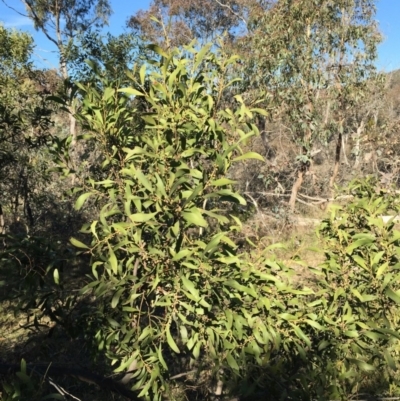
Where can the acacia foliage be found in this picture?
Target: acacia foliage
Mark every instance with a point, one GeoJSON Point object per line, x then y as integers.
{"type": "Point", "coordinates": [361, 280]}
{"type": "Point", "coordinates": [174, 292]}
{"type": "Point", "coordinates": [163, 260]}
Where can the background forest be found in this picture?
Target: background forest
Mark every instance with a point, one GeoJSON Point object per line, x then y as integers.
{"type": "Point", "coordinates": [204, 207]}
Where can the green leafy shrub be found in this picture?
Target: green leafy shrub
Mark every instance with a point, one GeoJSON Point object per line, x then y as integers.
{"type": "Point", "coordinates": [361, 286]}
{"type": "Point", "coordinates": [176, 293]}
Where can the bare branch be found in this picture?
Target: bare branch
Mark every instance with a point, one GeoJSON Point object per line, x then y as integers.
{"type": "Point", "coordinates": [178, 376]}
{"type": "Point", "coordinates": [12, 8]}
{"type": "Point", "coordinates": [36, 19]}
{"type": "Point", "coordinates": [233, 12]}
{"type": "Point", "coordinates": [61, 390]}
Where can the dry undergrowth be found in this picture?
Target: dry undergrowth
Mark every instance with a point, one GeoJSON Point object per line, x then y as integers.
{"type": "Point", "coordinates": [298, 235]}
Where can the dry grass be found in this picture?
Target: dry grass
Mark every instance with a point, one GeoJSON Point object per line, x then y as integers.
{"type": "Point", "coordinates": [298, 236]}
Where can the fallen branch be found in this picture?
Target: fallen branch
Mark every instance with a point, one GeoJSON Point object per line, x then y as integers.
{"type": "Point", "coordinates": [306, 203]}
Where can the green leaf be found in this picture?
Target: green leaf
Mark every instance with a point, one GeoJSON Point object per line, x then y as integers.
{"type": "Point", "coordinates": [314, 324]}
{"type": "Point", "coordinates": [201, 54]}
{"type": "Point", "coordinates": [194, 216]}
{"type": "Point", "coordinates": [131, 91]}
{"type": "Point", "coordinates": [351, 333]}
{"type": "Point", "coordinates": [287, 316]}
{"type": "Point", "coordinates": [143, 180]}
{"type": "Point", "coordinates": [389, 360]}
{"type": "Point", "coordinates": [392, 295]}
{"type": "Point", "coordinates": [57, 99]}
{"type": "Point", "coordinates": [181, 254]}
{"type": "Point", "coordinates": [369, 239]}
{"type": "Point", "coordinates": [23, 377]}
{"type": "Point", "coordinates": [157, 49]}
{"type": "Point", "coordinates": [112, 260]}
{"type": "Point", "coordinates": [113, 323]}
{"type": "Point", "coordinates": [142, 217]}
{"type": "Point", "coordinates": [108, 92]}
{"type": "Point", "coordinates": [23, 366]}
{"type": "Point", "coordinates": [228, 195]}
{"type": "Point", "coordinates": [116, 297]}
{"type": "Point", "coordinates": [81, 200]}
{"type": "Point", "coordinates": [229, 318]}
{"type": "Point", "coordinates": [189, 286]}
{"type": "Point", "coordinates": [249, 155]}
{"type": "Point", "coordinates": [147, 331]}
{"type": "Point", "coordinates": [382, 268]}
{"type": "Point", "coordinates": [323, 344]}
{"type": "Point", "coordinates": [364, 366]}
{"type": "Point", "coordinates": [232, 362]}
{"type": "Point", "coordinates": [171, 342]}
{"type": "Point", "coordinates": [56, 276]}
{"type": "Point", "coordinates": [78, 243]}
{"type": "Point", "coordinates": [360, 261]}
{"type": "Point", "coordinates": [222, 181]}
{"type": "Point", "coordinates": [161, 358]}
{"type": "Point", "coordinates": [260, 111]}
{"type": "Point", "coordinates": [377, 257]}
{"type": "Point", "coordinates": [301, 334]}
{"type": "Point", "coordinates": [234, 284]}
{"type": "Point", "coordinates": [196, 350]}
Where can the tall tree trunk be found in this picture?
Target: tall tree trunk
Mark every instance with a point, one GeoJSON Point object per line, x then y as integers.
{"type": "Point", "coordinates": [295, 189]}
{"type": "Point", "coordinates": [337, 161]}
{"type": "Point", "coordinates": [344, 142]}
{"type": "Point", "coordinates": [72, 120]}
{"type": "Point", "coordinates": [301, 172]}
{"type": "Point", "coordinates": [357, 148]}
{"type": "Point", "coordinates": [2, 224]}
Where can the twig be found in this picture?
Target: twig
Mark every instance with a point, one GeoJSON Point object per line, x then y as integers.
{"type": "Point", "coordinates": [178, 376]}
{"type": "Point", "coordinates": [61, 390]}
{"type": "Point", "coordinates": [306, 203]}
{"type": "Point", "coordinates": [12, 8]}
{"type": "Point", "coordinates": [268, 194]}
{"type": "Point", "coordinates": [253, 200]}
{"type": "Point", "coordinates": [315, 199]}
{"type": "Point", "coordinates": [235, 14]}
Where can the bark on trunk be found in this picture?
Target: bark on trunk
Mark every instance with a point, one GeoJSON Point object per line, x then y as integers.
{"type": "Point", "coordinates": [357, 149]}
{"type": "Point", "coordinates": [72, 121]}
{"type": "Point", "coordinates": [337, 162]}
{"type": "Point", "coordinates": [295, 189]}
{"type": "Point", "coordinates": [2, 224]}
{"type": "Point", "coordinates": [301, 172]}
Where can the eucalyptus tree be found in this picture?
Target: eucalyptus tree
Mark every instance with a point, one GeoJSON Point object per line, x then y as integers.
{"type": "Point", "coordinates": [178, 22]}
{"type": "Point", "coordinates": [24, 119]}
{"type": "Point", "coordinates": [114, 54]}
{"type": "Point", "coordinates": [313, 59]}
{"type": "Point", "coordinates": [61, 21]}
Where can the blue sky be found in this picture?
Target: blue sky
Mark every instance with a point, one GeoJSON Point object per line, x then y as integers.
{"type": "Point", "coordinates": [388, 17]}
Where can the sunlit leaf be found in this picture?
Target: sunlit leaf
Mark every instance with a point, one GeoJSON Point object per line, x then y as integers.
{"type": "Point", "coordinates": [171, 341]}
{"type": "Point", "coordinates": [78, 243]}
